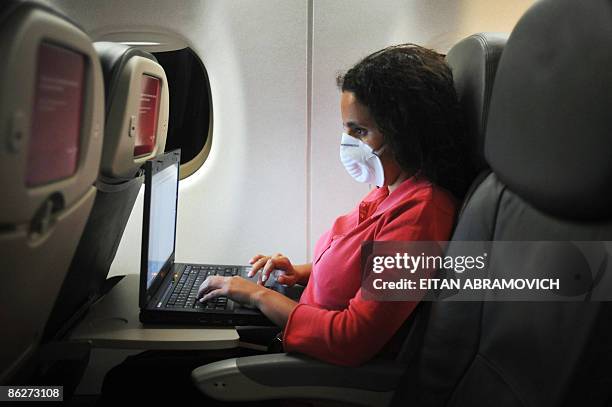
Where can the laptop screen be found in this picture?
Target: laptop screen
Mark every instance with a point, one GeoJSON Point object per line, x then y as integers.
{"type": "Point", "coordinates": [162, 219]}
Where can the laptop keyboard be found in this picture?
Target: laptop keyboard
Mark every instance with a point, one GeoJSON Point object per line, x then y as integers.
{"type": "Point", "coordinates": [185, 292]}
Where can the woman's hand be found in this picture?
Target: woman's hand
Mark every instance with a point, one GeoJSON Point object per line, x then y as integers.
{"type": "Point", "coordinates": [236, 288]}
{"type": "Point", "coordinates": [289, 275]}
{"type": "Point", "coordinates": [272, 304]}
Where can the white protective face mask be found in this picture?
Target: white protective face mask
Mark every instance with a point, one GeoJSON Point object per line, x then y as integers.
{"type": "Point", "coordinates": [361, 161]}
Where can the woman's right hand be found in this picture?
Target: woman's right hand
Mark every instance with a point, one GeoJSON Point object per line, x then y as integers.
{"type": "Point", "coordinates": [289, 275]}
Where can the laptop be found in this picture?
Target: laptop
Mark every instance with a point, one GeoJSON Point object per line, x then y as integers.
{"type": "Point", "coordinates": [168, 290]}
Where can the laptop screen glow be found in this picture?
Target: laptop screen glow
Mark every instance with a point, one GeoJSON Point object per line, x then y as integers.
{"type": "Point", "coordinates": [164, 186]}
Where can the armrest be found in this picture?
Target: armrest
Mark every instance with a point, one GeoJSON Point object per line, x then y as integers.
{"type": "Point", "coordinates": [284, 376]}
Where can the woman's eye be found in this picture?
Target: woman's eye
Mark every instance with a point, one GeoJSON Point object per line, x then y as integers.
{"type": "Point", "coordinates": [361, 132]}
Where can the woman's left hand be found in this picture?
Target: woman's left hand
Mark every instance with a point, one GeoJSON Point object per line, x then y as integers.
{"type": "Point", "coordinates": [236, 288]}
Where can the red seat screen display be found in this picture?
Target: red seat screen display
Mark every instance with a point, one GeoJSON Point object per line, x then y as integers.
{"type": "Point", "coordinates": [53, 150]}
{"type": "Point", "coordinates": [147, 115]}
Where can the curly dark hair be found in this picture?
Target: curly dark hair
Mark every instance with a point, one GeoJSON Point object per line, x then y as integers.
{"type": "Point", "coordinates": [410, 94]}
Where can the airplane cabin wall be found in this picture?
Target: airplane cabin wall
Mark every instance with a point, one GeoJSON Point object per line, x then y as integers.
{"type": "Point", "coordinates": [273, 181]}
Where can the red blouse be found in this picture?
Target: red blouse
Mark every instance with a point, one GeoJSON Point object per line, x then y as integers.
{"type": "Point", "coordinates": [333, 322]}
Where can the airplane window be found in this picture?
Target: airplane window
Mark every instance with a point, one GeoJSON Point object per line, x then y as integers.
{"type": "Point", "coordinates": [190, 121]}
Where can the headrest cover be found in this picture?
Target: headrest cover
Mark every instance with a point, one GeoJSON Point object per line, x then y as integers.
{"type": "Point", "coordinates": [474, 61]}
{"type": "Point", "coordinates": [136, 109]}
{"type": "Point", "coordinates": [113, 57]}
{"type": "Point", "coordinates": [549, 132]}
{"type": "Point", "coordinates": [6, 9]}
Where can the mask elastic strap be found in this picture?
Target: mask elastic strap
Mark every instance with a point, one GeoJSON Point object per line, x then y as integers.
{"type": "Point", "coordinates": [380, 150]}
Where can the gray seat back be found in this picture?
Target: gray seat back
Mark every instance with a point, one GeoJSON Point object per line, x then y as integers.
{"type": "Point", "coordinates": [473, 62]}
{"type": "Point", "coordinates": [51, 121]}
{"type": "Point", "coordinates": [548, 144]}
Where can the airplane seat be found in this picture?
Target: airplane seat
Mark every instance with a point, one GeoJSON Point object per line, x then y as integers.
{"type": "Point", "coordinates": [51, 121]}
{"type": "Point", "coordinates": [547, 143]}
{"type": "Point", "coordinates": [137, 110]}
{"type": "Point", "coordinates": [473, 62]}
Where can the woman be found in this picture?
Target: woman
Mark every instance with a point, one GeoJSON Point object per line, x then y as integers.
{"type": "Point", "coordinates": [403, 134]}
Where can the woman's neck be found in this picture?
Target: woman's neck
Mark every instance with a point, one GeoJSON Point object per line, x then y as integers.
{"type": "Point", "coordinates": [403, 176]}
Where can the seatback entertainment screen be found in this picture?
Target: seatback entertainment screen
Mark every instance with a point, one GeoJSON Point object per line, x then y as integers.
{"type": "Point", "coordinates": [53, 150]}
{"type": "Point", "coordinates": [147, 115]}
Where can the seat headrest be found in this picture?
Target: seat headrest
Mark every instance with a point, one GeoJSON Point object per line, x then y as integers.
{"type": "Point", "coordinates": [137, 109]}
{"type": "Point", "coordinates": [7, 7]}
{"type": "Point", "coordinates": [474, 61]}
{"type": "Point", "coordinates": [549, 132]}
{"type": "Point", "coordinates": [113, 57]}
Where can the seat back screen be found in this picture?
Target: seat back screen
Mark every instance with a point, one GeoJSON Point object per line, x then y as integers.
{"type": "Point", "coordinates": [147, 115]}
{"type": "Point", "coordinates": [53, 150]}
